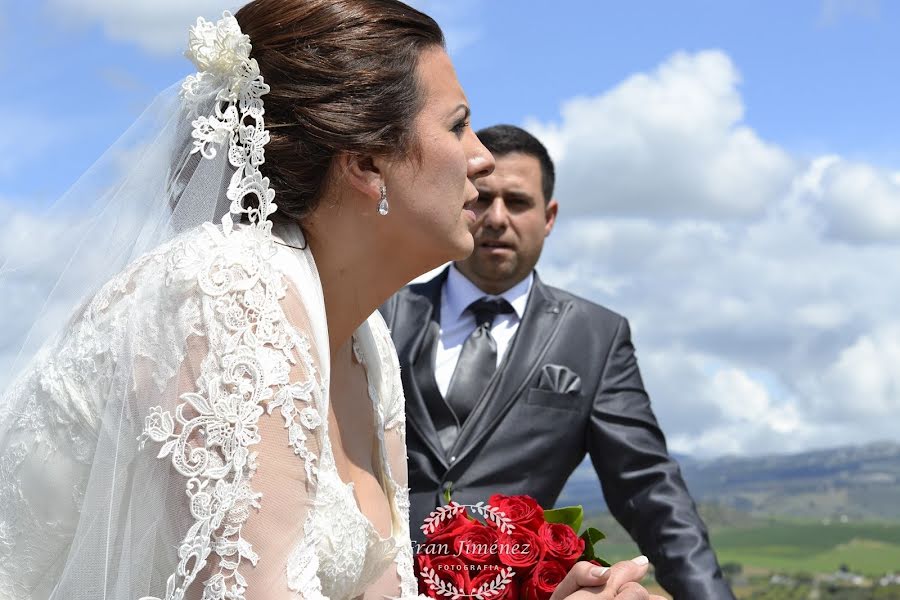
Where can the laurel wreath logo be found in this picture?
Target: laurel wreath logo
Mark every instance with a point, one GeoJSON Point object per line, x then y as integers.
{"type": "Point", "coordinates": [488, 589]}
{"type": "Point", "coordinates": [448, 511]}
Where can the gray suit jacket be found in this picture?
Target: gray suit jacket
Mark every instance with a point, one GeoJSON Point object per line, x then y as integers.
{"type": "Point", "coordinates": [568, 384]}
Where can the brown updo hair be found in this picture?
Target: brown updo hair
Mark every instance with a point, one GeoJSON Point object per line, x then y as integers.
{"type": "Point", "coordinates": [342, 75]}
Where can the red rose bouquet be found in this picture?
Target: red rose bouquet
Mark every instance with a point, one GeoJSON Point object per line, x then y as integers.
{"type": "Point", "coordinates": [519, 551]}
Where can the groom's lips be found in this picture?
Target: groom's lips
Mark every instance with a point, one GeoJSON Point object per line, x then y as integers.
{"type": "Point", "coordinates": [494, 246]}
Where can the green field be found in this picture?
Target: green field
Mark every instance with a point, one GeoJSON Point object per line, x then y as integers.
{"type": "Point", "coordinates": [786, 546]}
{"type": "Point", "coordinates": [866, 548]}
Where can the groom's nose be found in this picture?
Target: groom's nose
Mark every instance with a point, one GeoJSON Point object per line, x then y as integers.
{"type": "Point", "coordinates": [496, 216]}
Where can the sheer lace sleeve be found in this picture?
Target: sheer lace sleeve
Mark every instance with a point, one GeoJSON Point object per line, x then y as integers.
{"type": "Point", "coordinates": [166, 446]}
{"type": "Point", "coordinates": [243, 440]}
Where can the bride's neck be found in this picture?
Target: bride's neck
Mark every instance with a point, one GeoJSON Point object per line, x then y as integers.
{"type": "Point", "coordinates": [357, 273]}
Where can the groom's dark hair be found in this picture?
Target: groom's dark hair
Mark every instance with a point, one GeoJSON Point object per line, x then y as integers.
{"type": "Point", "coordinates": [508, 139]}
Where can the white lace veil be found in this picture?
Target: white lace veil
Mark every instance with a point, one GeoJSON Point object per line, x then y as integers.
{"type": "Point", "coordinates": [84, 512]}
{"type": "Point", "coordinates": [153, 183]}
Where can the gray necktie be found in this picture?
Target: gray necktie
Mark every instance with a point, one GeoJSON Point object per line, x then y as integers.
{"type": "Point", "coordinates": [477, 359]}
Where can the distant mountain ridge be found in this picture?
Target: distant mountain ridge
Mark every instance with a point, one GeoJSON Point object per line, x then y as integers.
{"type": "Point", "coordinates": [849, 482]}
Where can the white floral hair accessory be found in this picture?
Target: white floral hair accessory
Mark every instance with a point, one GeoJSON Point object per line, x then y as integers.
{"type": "Point", "coordinates": [221, 52]}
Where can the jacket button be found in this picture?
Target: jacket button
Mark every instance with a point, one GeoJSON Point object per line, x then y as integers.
{"type": "Point", "coordinates": [453, 458]}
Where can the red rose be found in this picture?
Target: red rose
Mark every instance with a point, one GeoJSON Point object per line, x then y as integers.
{"type": "Point", "coordinates": [561, 541]}
{"type": "Point", "coordinates": [520, 549]}
{"type": "Point", "coordinates": [487, 577]}
{"type": "Point", "coordinates": [445, 570]}
{"type": "Point", "coordinates": [547, 574]}
{"type": "Point", "coordinates": [448, 530]}
{"type": "Point", "coordinates": [422, 562]}
{"type": "Point", "coordinates": [523, 511]}
{"type": "Point", "coordinates": [479, 544]}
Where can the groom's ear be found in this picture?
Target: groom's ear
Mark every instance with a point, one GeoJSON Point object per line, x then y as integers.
{"type": "Point", "coordinates": [361, 173]}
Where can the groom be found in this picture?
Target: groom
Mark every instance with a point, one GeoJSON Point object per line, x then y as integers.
{"type": "Point", "coordinates": [509, 382]}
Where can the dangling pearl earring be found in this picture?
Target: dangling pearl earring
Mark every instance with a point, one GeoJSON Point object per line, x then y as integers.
{"type": "Point", "coordinates": [383, 203]}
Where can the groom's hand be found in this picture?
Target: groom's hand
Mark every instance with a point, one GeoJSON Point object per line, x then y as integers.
{"type": "Point", "coordinates": [587, 581]}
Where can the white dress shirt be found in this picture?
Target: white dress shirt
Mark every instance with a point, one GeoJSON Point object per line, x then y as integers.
{"type": "Point", "coordinates": [457, 323]}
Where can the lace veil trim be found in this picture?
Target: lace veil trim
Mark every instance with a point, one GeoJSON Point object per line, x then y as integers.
{"type": "Point", "coordinates": [251, 344]}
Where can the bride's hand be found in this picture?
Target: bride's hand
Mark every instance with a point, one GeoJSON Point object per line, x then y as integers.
{"type": "Point", "coordinates": [587, 581]}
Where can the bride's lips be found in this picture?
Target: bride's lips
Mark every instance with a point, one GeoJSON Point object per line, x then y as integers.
{"type": "Point", "coordinates": [468, 209]}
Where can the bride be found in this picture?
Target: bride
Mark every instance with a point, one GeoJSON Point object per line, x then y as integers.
{"type": "Point", "coordinates": [223, 417]}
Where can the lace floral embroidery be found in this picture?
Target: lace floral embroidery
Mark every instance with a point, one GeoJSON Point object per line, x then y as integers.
{"type": "Point", "coordinates": [209, 437]}
{"type": "Point", "coordinates": [221, 53]}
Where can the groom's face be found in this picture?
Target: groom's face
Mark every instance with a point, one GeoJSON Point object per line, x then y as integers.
{"type": "Point", "coordinates": [512, 220]}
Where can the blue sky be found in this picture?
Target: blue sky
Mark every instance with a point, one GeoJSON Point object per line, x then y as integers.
{"type": "Point", "coordinates": [817, 76]}
{"type": "Point", "coordinates": [729, 176]}
{"type": "Point", "coordinates": [816, 79]}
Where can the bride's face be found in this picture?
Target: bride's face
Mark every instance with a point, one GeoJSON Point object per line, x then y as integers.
{"type": "Point", "coordinates": [430, 192]}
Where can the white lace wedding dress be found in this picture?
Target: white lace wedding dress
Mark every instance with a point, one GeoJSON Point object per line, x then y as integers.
{"type": "Point", "coordinates": [172, 442]}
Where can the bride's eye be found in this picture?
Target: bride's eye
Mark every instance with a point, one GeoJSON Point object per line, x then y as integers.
{"type": "Point", "coordinates": [460, 127]}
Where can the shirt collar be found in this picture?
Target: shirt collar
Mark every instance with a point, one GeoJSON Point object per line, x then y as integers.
{"type": "Point", "coordinates": [459, 293]}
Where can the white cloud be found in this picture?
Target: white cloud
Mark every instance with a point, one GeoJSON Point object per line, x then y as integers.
{"type": "Point", "coordinates": [158, 26]}
{"type": "Point", "coordinates": [762, 302]}
{"type": "Point", "coordinates": [26, 137]}
{"type": "Point", "coordinates": [716, 306]}
{"type": "Point", "coordinates": [861, 203]}
{"type": "Point", "coordinates": [458, 21]}
{"type": "Point", "coordinates": [834, 11]}
{"type": "Point", "coordinates": [30, 240]}
{"type": "Point", "coordinates": [161, 26]}
{"type": "Point", "coordinates": [683, 124]}
{"type": "Point", "coordinates": [725, 411]}
{"type": "Point", "coordinates": [862, 385]}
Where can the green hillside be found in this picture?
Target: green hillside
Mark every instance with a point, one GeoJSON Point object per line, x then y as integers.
{"type": "Point", "coordinates": [782, 545]}
{"type": "Point", "coordinates": [867, 549]}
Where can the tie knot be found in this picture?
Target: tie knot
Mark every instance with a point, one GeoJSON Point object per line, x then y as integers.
{"type": "Point", "coordinates": [485, 309]}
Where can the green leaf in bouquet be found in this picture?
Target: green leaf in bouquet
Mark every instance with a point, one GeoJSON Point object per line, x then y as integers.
{"type": "Point", "coordinates": [591, 536]}
{"type": "Point", "coordinates": [594, 535]}
{"type": "Point", "coordinates": [447, 502]}
{"type": "Point", "coordinates": [570, 515]}
{"type": "Point", "coordinates": [447, 495]}
{"type": "Point", "coordinates": [588, 553]}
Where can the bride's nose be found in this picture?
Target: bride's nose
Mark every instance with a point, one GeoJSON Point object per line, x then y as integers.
{"type": "Point", "coordinates": [481, 161]}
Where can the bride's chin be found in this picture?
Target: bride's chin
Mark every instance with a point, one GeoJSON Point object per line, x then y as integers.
{"type": "Point", "coordinates": [465, 246]}
{"type": "Point", "coordinates": [453, 245]}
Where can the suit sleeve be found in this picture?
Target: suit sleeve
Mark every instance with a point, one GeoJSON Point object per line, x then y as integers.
{"type": "Point", "coordinates": [643, 485]}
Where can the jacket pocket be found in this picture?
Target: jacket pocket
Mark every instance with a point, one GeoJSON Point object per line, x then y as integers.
{"type": "Point", "coordinates": [555, 400]}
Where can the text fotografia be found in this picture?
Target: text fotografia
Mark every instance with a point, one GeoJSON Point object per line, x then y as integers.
{"type": "Point", "coordinates": [469, 567]}
{"type": "Point", "coordinates": [470, 548]}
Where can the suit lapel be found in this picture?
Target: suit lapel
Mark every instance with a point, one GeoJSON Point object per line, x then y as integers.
{"type": "Point", "coordinates": [536, 331]}
{"type": "Point", "coordinates": [414, 321]}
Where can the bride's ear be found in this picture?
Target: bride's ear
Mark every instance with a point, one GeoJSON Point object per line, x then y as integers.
{"type": "Point", "coordinates": [362, 174]}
